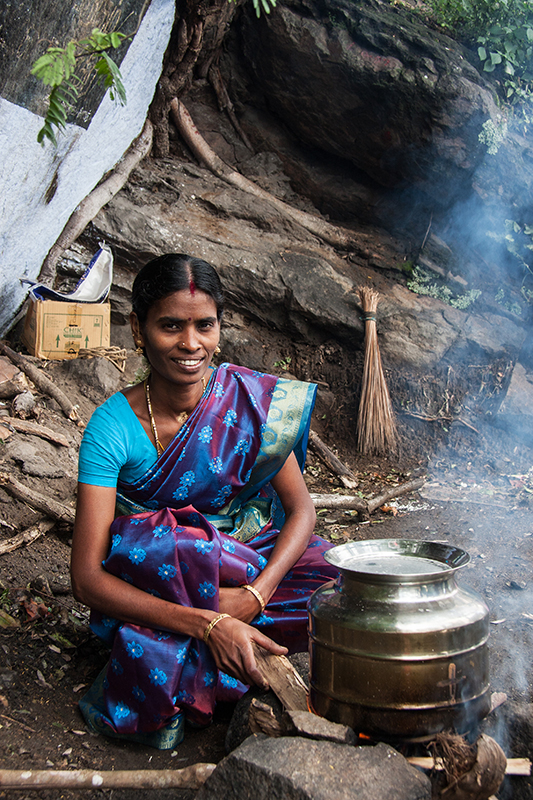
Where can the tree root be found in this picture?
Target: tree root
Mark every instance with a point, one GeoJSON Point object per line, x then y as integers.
{"type": "Point", "coordinates": [224, 102]}
{"type": "Point", "coordinates": [91, 205]}
{"type": "Point", "coordinates": [337, 237]}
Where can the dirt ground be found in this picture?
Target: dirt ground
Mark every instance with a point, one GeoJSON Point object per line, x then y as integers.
{"type": "Point", "coordinates": [48, 656]}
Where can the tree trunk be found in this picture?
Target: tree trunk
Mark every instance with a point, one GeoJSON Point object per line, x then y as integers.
{"type": "Point", "coordinates": [199, 29]}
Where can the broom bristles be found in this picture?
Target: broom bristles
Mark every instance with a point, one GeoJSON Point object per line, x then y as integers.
{"type": "Point", "coordinates": [376, 426]}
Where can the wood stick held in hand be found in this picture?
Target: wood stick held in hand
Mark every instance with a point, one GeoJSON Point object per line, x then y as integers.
{"type": "Point", "coordinates": [282, 678]}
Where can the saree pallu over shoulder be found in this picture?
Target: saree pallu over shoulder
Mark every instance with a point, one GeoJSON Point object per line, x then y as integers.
{"type": "Point", "coordinates": [221, 461]}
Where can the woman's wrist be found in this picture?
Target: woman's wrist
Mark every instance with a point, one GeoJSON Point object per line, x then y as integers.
{"type": "Point", "coordinates": [207, 632]}
{"type": "Point", "coordinates": [256, 593]}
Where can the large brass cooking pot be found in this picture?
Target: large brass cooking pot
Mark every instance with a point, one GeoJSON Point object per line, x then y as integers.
{"type": "Point", "coordinates": [398, 649]}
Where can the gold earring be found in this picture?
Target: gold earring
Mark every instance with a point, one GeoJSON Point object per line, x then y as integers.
{"type": "Point", "coordinates": [217, 350]}
{"type": "Point", "coordinates": [139, 350]}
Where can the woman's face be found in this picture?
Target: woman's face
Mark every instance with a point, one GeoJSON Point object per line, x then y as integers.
{"type": "Point", "coordinates": [180, 335]}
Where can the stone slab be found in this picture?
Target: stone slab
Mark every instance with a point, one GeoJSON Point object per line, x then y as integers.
{"type": "Point", "coordinates": [293, 768]}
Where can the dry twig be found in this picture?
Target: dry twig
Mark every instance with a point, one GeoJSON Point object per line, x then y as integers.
{"type": "Point", "coordinates": [365, 507]}
{"type": "Point", "coordinates": [41, 381]}
{"type": "Point", "coordinates": [26, 426]}
{"type": "Point", "coordinates": [331, 461]}
{"type": "Point", "coordinates": [52, 508]}
{"type": "Point", "coordinates": [188, 778]}
{"type": "Point", "coordinates": [473, 772]}
{"type": "Point", "coordinates": [26, 537]}
{"type": "Point", "coordinates": [117, 355]}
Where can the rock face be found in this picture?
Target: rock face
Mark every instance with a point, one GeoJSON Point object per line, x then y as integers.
{"type": "Point", "coordinates": [377, 116]}
{"type": "Point", "coordinates": [372, 84]}
{"type": "Point", "coordinates": [302, 769]}
{"type": "Point", "coordinates": [307, 291]}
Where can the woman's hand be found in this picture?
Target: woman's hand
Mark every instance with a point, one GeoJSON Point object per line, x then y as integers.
{"type": "Point", "coordinates": [230, 642]}
{"type": "Point", "coordinates": [239, 603]}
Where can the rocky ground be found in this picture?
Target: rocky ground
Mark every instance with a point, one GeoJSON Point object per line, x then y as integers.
{"type": "Point", "coordinates": [48, 655]}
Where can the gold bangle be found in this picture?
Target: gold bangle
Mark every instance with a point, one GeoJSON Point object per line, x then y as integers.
{"type": "Point", "coordinates": [212, 624]}
{"type": "Point", "coordinates": [256, 593]}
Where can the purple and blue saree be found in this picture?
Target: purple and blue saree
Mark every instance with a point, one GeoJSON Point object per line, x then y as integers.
{"type": "Point", "coordinates": [204, 516]}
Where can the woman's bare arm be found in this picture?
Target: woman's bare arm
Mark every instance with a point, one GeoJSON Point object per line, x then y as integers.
{"type": "Point", "coordinates": [230, 641]}
{"type": "Point", "coordinates": [291, 544]}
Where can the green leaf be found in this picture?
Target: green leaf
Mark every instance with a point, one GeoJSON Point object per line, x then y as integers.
{"type": "Point", "coordinates": [116, 38]}
{"type": "Point", "coordinates": [109, 74]}
{"type": "Point", "coordinates": [495, 58]}
{"type": "Point", "coordinates": [482, 53]}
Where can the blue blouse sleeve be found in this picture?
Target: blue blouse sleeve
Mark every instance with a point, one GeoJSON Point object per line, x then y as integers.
{"type": "Point", "coordinates": [114, 443]}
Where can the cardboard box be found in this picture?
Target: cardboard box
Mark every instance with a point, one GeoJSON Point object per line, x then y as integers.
{"type": "Point", "coordinates": [57, 330]}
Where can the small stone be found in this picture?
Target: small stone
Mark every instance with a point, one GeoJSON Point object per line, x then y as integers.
{"type": "Point", "coordinates": [23, 405]}
{"type": "Point", "coordinates": [303, 723]}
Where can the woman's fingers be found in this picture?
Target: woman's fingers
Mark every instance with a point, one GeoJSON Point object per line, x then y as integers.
{"type": "Point", "coordinates": [231, 645]}
{"type": "Point", "coordinates": [268, 644]}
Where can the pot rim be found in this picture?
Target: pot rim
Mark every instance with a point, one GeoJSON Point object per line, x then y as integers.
{"type": "Point", "coordinates": [345, 558]}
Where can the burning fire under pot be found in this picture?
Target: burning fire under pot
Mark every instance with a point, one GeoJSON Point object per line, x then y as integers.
{"type": "Point", "coordinates": [399, 650]}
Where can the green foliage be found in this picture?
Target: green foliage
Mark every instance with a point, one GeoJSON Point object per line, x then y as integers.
{"type": "Point", "coordinates": [519, 242]}
{"type": "Point", "coordinates": [518, 239]}
{"type": "Point", "coordinates": [503, 300]}
{"type": "Point", "coordinates": [57, 68]}
{"type": "Point", "coordinates": [284, 363]}
{"type": "Point", "coordinates": [502, 31]}
{"type": "Point", "coordinates": [422, 283]}
{"type": "Point", "coordinates": [493, 135]}
{"type": "Point", "coordinates": [262, 3]}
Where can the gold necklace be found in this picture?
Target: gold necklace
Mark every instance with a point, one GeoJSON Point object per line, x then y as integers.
{"type": "Point", "coordinates": [181, 419]}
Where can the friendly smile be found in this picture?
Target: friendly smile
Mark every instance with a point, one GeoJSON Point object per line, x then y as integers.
{"type": "Point", "coordinates": [188, 362]}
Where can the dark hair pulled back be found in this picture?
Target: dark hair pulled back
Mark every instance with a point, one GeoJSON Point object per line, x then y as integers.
{"type": "Point", "coordinates": [173, 273]}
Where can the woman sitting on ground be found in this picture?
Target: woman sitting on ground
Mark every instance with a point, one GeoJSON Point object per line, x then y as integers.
{"type": "Point", "coordinates": [214, 540]}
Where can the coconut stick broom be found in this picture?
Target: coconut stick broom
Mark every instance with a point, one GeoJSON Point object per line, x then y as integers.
{"type": "Point", "coordinates": [376, 426]}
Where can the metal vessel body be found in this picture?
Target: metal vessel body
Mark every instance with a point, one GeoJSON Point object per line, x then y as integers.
{"type": "Point", "coordinates": [399, 656]}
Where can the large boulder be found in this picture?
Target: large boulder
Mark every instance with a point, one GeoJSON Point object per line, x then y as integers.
{"type": "Point", "coordinates": [303, 769]}
{"type": "Point", "coordinates": [373, 84]}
